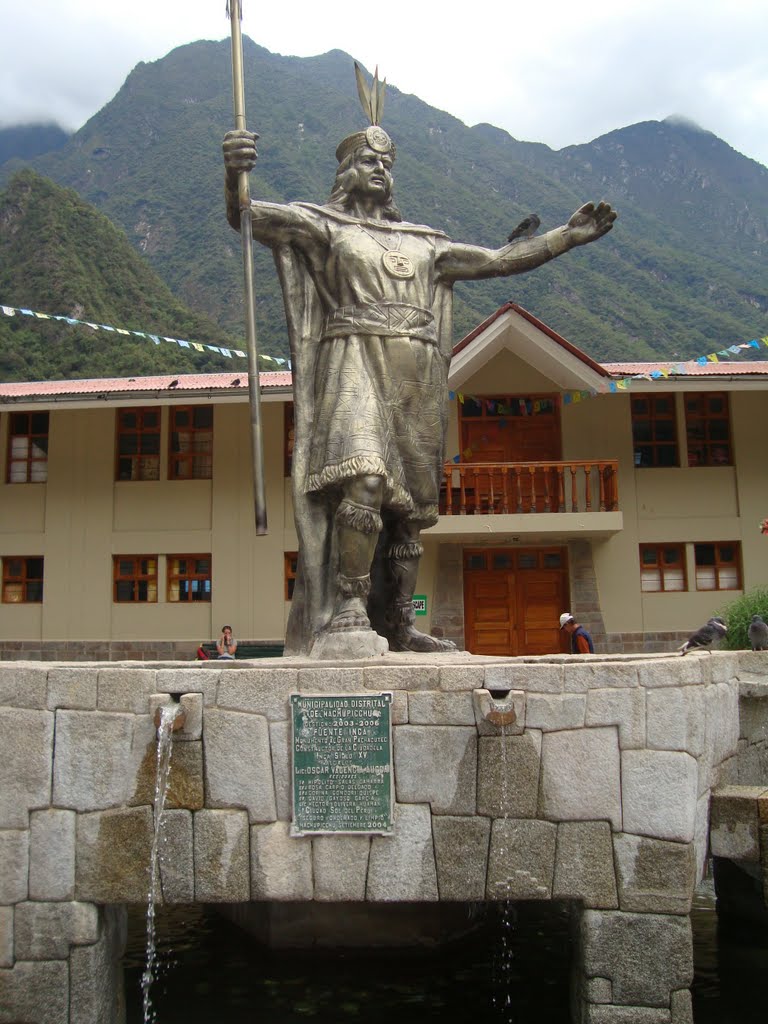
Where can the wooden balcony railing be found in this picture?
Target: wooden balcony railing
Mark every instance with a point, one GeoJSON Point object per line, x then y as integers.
{"type": "Point", "coordinates": [499, 488]}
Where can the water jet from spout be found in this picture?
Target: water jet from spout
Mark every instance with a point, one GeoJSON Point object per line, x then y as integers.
{"type": "Point", "coordinates": [169, 718]}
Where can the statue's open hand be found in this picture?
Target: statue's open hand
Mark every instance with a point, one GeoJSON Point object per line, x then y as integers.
{"type": "Point", "coordinates": [239, 148]}
{"type": "Point", "coordinates": [590, 222]}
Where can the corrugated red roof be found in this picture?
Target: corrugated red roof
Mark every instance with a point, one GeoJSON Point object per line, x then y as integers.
{"type": "Point", "coordinates": [236, 382]}
{"type": "Point", "coordinates": [233, 381]}
{"type": "Point", "coordinates": [743, 368]}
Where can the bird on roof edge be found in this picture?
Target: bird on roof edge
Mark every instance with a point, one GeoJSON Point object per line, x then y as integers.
{"type": "Point", "coordinates": [713, 629]}
{"type": "Point", "coordinates": [526, 228]}
{"type": "Point", "coordinates": [758, 633]}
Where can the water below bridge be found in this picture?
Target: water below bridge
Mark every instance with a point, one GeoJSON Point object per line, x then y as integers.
{"type": "Point", "coordinates": [211, 971]}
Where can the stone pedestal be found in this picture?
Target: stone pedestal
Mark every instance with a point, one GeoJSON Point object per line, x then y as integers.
{"type": "Point", "coordinates": [580, 780]}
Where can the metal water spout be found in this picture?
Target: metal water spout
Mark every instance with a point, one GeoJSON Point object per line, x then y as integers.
{"type": "Point", "coordinates": [179, 718]}
{"type": "Point", "coordinates": [502, 709]}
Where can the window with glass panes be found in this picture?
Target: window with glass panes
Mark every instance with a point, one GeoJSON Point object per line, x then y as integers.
{"type": "Point", "coordinates": [189, 577]}
{"type": "Point", "coordinates": [654, 430]}
{"type": "Point", "coordinates": [718, 565]}
{"type": "Point", "coordinates": [27, 448]}
{"type": "Point", "coordinates": [191, 442]}
{"type": "Point", "coordinates": [22, 579]}
{"type": "Point", "coordinates": [135, 578]}
{"type": "Point", "coordinates": [662, 567]}
{"type": "Point", "coordinates": [138, 444]}
{"type": "Point", "coordinates": [708, 429]}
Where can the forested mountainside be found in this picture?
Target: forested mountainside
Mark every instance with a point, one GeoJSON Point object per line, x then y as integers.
{"type": "Point", "coordinates": [682, 273]}
{"type": "Point", "coordinates": [59, 255]}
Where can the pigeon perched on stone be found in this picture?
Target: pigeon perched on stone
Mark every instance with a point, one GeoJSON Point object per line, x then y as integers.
{"type": "Point", "coordinates": [758, 634]}
{"type": "Point", "coordinates": [712, 630]}
{"type": "Point", "coordinates": [525, 228]}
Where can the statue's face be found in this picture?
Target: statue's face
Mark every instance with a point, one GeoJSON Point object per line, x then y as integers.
{"type": "Point", "coordinates": [374, 173]}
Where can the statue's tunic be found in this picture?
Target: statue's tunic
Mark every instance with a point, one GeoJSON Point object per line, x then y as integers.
{"type": "Point", "coordinates": [379, 371]}
{"type": "Point", "coordinates": [368, 308]}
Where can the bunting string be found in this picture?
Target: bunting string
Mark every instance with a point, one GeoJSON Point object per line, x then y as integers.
{"type": "Point", "coordinates": [198, 346]}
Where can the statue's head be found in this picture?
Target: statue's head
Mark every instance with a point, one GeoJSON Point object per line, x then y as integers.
{"type": "Point", "coordinates": [366, 157]}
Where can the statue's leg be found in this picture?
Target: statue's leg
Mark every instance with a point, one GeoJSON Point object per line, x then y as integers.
{"type": "Point", "coordinates": [402, 562]}
{"type": "Point", "coordinates": [358, 525]}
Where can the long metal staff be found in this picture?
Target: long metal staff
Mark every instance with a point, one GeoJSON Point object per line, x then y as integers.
{"type": "Point", "coordinates": [234, 11]}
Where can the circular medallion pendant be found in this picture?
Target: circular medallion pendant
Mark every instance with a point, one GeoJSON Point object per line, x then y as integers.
{"type": "Point", "coordinates": [397, 264]}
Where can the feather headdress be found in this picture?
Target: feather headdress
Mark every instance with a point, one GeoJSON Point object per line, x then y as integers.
{"type": "Point", "coordinates": [372, 102]}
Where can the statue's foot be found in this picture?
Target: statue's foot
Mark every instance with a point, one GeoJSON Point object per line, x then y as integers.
{"type": "Point", "coordinates": [351, 614]}
{"type": "Point", "coordinates": [408, 638]}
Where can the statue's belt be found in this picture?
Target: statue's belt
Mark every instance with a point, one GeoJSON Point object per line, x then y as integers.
{"type": "Point", "coordinates": [382, 319]}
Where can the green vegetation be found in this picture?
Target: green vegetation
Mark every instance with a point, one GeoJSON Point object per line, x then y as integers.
{"type": "Point", "coordinates": [682, 274]}
{"type": "Point", "coordinates": [738, 615]}
{"type": "Point", "coordinates": [60, 256]}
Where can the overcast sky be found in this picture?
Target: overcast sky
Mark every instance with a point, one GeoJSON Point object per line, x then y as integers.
{"type": "Point", "coordinates": [552, 71]}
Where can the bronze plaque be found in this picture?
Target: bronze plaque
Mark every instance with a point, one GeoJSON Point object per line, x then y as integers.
{"type": "Point", "coordinates": [342, 763]}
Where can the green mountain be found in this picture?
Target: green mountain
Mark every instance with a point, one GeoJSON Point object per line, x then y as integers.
{"type": "Point", "coordinates": [682, 273]}
{"type": "Point", "coordinates": [59, 255]}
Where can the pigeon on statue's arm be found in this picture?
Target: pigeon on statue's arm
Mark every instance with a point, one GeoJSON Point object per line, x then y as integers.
{"type": "Point", "coordinates": [526, 228]}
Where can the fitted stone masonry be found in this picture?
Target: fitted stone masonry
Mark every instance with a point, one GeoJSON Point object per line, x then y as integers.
{"type": "Point", "coordinates": [598, 793]}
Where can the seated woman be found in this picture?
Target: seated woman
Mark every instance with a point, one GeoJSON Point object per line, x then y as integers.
{"type": "Point", "coordinates": [226, 645]}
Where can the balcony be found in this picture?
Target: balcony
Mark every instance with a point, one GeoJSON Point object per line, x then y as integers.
{"type": "Point", "coordinates": [531, 498]}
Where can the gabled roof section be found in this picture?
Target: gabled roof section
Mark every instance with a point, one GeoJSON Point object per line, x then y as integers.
{"type": "Point", "coordinates": [513, 328]}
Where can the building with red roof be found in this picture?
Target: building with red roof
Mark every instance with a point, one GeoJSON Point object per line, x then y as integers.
{"type": "Point", "coordinates": [630, 494]}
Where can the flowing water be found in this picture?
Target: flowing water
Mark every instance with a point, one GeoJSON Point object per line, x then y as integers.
{"type": "Point", "coordinates": [168, 715]}
{"type": "Point", "coordinates": [503, 961]}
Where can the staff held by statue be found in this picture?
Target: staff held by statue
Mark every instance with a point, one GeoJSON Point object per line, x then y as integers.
{"type": "Point", "coordinates": [234, 13]}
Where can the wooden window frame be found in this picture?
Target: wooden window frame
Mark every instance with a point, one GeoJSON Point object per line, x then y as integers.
{"type": "Point", "coordinates": [666, 571]}
{"type": "Point", "coordinates": [521, 559]}
{"type": "Point", "coordinates": [720, 566]}
{"type": "Point", "coordinates": [498, 407]}
{"type": "Point", "coordinates": [197, 455]}
{"type": "Point", "coordinates": [140, 459]}
{"type": "Point", "coordinates": [290, 566]}
{"type": "Point", "coordinates": [703, 448]}
{"type": "Point", "coordinates": [138, 577]}
{"type": "Point", "coordinates": [655, 444]}
{"type": "Point", "coordinates": [18, 587]}
{"type": "Point", "coordinates": [177, 577]}
{"type": "Point", "coordinates": [35, 465]}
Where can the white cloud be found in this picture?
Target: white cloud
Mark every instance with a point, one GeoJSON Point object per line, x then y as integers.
{"type": "Point", "coordinates": [553, 72]}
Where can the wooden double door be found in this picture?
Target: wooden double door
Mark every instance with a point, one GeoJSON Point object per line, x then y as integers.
{"type": "Point", "coordinates": [513, 598]}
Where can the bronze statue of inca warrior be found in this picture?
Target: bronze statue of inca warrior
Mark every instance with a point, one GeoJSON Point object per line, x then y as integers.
{"type": "Point", "coordinates": [368, 301]}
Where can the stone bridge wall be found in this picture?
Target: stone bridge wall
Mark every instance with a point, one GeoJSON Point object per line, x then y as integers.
{"type": "Point", "coordinates": [599, 793]}
{"type": "Point", "coordinates": [739, 811]}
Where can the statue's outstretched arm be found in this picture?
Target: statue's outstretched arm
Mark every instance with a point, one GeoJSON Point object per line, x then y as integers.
{"type": "Point", "coordinates": [471, 262]}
